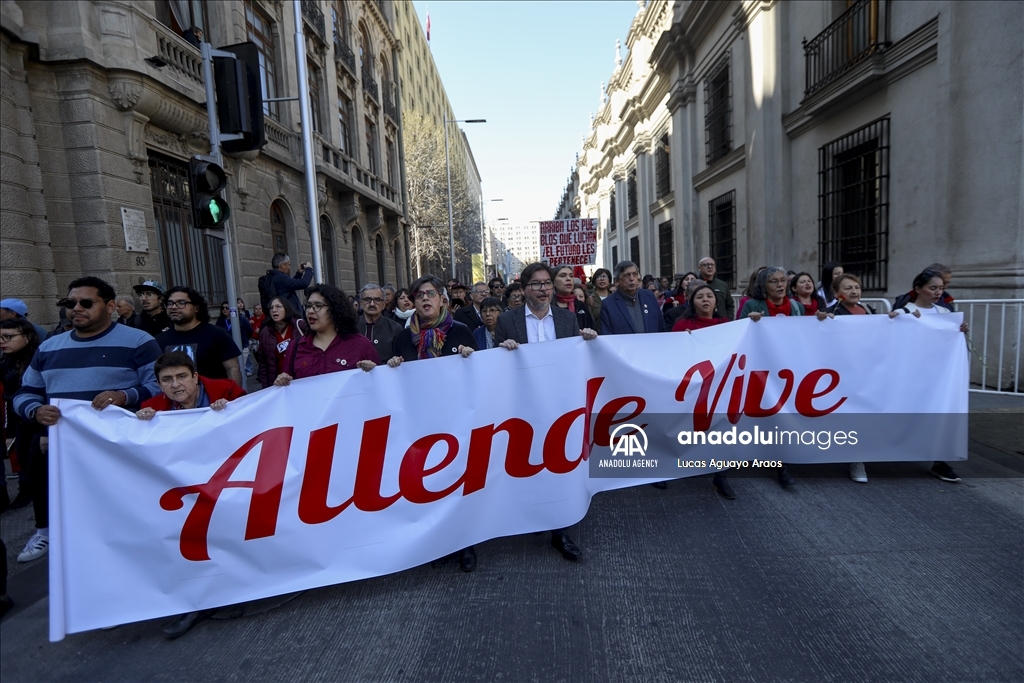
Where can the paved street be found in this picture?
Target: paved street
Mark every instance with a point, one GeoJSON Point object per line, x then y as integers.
{"type": "Point", "coordinates": [904, 579]}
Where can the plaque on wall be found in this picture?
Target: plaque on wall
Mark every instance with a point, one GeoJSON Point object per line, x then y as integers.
{"type": "Point", "coordinates": [135, 236]}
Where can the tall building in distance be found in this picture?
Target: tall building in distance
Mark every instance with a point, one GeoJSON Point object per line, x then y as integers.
{"type": "Point", "coordinates": [104, 103]}
{"type": "Point", "coordinates": [515, 246]}
{"type": "Point", "coordinates": [871, 133]}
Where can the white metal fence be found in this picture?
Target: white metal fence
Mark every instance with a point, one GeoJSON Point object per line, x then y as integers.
{"type": "Point", "coordinates": [995, 337]}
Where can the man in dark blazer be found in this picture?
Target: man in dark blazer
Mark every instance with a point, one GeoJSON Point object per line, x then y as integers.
{"type": "Point", "coordinates": [470, 315]}
{"type": "Point", "coordinates": [539, 321]}
{"type": "Point", "coordinates": [376, 327]}
{"type": "Point", "coordinates": [630, 309]}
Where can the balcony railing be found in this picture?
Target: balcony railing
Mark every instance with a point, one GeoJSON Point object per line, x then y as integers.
{"type": "Point", "coordinates": [370, 86]}
{"type": "Point", "coordinates": [860, 32]}
{"type": "Point", "coordinates": [179, 54]}
{"type": "Point", "coordinates": [389, 101]}
{"type": "Point", "coordinates": [343, 53]}
{"type": "Point", "coordinates": [315, 17]}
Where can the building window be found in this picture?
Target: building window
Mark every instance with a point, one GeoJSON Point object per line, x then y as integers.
{"type": "Point", "coordinates": [371, 147]}
{"type": "Point", "coordinates": [314, 97]}
{"type": "Point", "coordinates": [345, 119]}
{"type": "Point", "coordinates": [278, 231]}
{"type": "Point", "coordinates": [327, 250]}
{"type": "Point", "coordinates": [634, 251]}
{"type": "Point", "coordinates": [187, 254]}
{"type": "Point", "coordinates": [365, 53]}
{"type": "Point", "coordinates": [722, 236]}
{"type": "Point", "coordinates": [390, 146]}
{"type": "Point", "coordinates": [718, 111]}
{"type": "Point", "coordinates": [382, 264]}
{"type": "Point", "coordinates": [182, 15]}
{"type": "Point", "coordinates": [853, 203]}
{"type": "Point", "coordinates": [662, 165]}
{"type": "Point", "coordinates": [666, 254]}
{"type": "Point", "coordinates": [631, 195]}
{"type": "Point", "coordinates": [613, 218]}
{"type": "Point", "coordinates": [259, 28]}
{"type": "Point", "coordinates": [615, 255]}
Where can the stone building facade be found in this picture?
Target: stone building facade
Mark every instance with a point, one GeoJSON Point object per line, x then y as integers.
{"type": "Point", "coordinates": [884, 135]}
{"type": "Point", "coordinates": [102, 106]}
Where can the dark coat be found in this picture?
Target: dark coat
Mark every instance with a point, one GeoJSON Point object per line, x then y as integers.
{"type": "Point", "coordinates": [458, 335]}
{"type": "Point", "coordinates": [583, 316]}
{"type": "Point", "coordinates": [468, 316]}
{"type": "Point", "coordinates": [266, 355]}
{"type": "Point", "coordinates": [285, 286]}
{"type": "Point", "coordinates": [726, 306]}
{"type": "Point", "coordinates": [512, 325]}
{"type": "Point", "coordinates": [134, 320]}
{"type": "Point", "coordinates": [616, 318]}
{"type": "Point", "coordinates": [246, 328]}
{"type": "Point", "coordinates": [385, 330]}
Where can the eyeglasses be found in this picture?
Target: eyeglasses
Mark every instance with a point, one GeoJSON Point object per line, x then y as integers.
{"type": "Point", "coordinates": [72, 303]}
{"type": "Point", "coordinates": [497, 286]}
{"type": "Point", "coordinates": [539, 286]}
{"type": "Point", "coordinates": [777, 281]}
{"type": "Point", "coordinates": [425, 294]}
{"type": "Point", "coordinates": [481, 292]}
{"type": "Point", "coordinates": [372, 300]}
{"type": "Point", "coordinates": [5, 338]}
{"type": "Point", "coordinates": [177, 303]}
{"type": "Point", "coordinates": [315, 306]}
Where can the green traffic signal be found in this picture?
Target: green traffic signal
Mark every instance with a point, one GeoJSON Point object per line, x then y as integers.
{"type": "Point", "coordinates": [206, 181]}
{"type": "Point", "coordinates": [213, 212]}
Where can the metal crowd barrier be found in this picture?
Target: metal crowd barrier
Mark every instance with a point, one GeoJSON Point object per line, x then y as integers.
{"type": "Point", "coordinates": [995, 337]}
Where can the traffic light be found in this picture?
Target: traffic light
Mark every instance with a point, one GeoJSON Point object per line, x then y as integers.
{"type": "Point", "coordinates": [206, 181]}
{"type": "Point", "coordinates": [240, 97]}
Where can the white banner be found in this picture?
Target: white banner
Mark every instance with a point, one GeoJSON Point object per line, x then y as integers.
{"type": "Point", "coordinates": [354, 474]}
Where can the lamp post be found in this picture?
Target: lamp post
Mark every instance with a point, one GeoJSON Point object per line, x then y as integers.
{"type": "Point", "coordinates": [448, 170]}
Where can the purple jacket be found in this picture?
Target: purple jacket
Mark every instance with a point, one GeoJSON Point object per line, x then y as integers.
{"type": "Point", "coordinates": [305, 360]}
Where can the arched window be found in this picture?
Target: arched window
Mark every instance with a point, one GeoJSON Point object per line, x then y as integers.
{"type": "Point", "coordinates": [358, 258]}
{"type": "Point", "coordinates": [382, 264]}
{"type": "Point", "coordinates": [365, 53]}
{"type": "Point", "coordinates": [385, 77]}
{"type": "Point", "coordinates": [327, 250]}
{"type": "Point", "coordinates": [278, 227]}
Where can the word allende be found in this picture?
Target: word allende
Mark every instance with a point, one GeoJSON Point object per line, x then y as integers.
{"type": "Point", "coordinates": [767, 437]}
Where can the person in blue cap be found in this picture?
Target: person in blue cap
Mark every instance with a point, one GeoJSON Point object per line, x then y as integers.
{"type": "Point", "coordinates": [16, 308]}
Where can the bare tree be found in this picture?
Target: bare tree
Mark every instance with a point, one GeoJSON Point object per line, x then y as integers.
{"type": "Point", "coordinates": [428, 198]}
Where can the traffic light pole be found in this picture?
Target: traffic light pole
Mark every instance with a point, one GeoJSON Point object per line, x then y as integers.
{"type": "Point", "coordinates": [215, 156]}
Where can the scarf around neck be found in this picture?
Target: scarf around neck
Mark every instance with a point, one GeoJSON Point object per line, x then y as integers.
{"type": "Point", "coordinates": [567, 299]}
{"type": "Point", "coordinates": [429, 336]}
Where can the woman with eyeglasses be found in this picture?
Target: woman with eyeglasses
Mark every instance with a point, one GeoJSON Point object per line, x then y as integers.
{"type": "Point", "coordinates": [432, 331]}
{"type": "Point", "coordinates": [334, 344]}
{"type": "Point", "coordinates": [514, 297]}
{"type": "Point", "coordinates": [18, 342]}
{"type": "Point", "coordinates": [284, 328]}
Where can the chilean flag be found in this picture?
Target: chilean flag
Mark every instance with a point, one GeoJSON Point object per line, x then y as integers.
{"type": "Point", "coordinates": [428, 27]}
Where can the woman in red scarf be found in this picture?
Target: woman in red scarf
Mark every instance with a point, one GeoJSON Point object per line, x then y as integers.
{"type": "Point", "coordinates": [432, 332]}
{"type": "Point", "coordinates": [701, 312]}
{"type": "Point", "coordinates": [801, 288]}
{"type": "Point", "coordinates": [566, 298]}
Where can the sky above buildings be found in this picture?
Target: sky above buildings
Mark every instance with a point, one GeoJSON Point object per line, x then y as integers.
{"type": "Point", "coordinates": [534, 71]}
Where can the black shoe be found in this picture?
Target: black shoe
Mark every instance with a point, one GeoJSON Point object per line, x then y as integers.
{"type": "Point", "coordinates": [561, 542]}
{"type": "Point", "coordinates": [785, 478]}
{"type": "Point", "coordinates": [184, 623]}
{"type": "Point", "coordinates": [944, 472]}
{"type": "Point", "coordinates": [723, 488]}
{"type": "Point", "coordinates": [660, 484]}
{"type": "Point", "coordinates": [467, 559]}
{"type": "Point", "coordinates": [21, 500]}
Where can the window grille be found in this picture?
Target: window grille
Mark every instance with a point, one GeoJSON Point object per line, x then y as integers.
{"type": "Point", "coordinates": [722, 236]}
{"type": "Point", "coordinates": [371, 147]}
{"type": "Point", "coordinates": [634, 251]}
{"type": "Point", "coordinates": [613, 219]}
{"type": "Point", "coordinates": [853, 203]}
{"type": "Point", "coordinates": [615, 255]}
{"type": "Point", "coordinates": [666, 254]}
{"type": "Point", "coordinates": [631, 194]}
{"type": "Point", "coordinates": [662, 166]}
{"type": "Point", "coordinates": [314, 96]}
{"type": "Point", "coordinates": [718, 112]}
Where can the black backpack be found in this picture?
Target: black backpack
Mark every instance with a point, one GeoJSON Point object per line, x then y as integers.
{"type": "Point", "coordinates": [268, 290]}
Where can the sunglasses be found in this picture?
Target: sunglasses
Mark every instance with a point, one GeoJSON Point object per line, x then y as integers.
{"type": "Point", "coordinates": [72, 303]}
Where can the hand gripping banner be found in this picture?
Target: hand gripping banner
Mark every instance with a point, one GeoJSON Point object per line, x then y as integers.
{"type": "Point", "coordinates": [354, 475]}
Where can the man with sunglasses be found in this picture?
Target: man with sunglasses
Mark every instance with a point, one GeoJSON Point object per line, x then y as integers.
{"type": "Point", "coordinates": [210, 347]}
{"type": "Point", "coordinates": [372, 324]}
{"type": "Point", "coordinates": [98, 361]}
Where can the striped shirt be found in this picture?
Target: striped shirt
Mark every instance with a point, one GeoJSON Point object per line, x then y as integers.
{"type": "Point", "coordinates": [66, 366]}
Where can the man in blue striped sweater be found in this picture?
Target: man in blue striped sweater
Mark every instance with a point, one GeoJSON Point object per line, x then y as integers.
{"type": "Point", "coordinates": [98, 361]}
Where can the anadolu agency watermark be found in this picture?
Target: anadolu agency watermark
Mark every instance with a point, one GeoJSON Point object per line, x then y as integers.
{"type": "Point", "coordinates": [668, 445]}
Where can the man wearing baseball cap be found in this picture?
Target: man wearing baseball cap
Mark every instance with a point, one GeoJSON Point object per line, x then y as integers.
{"type": "Point", "coordinates": [16, 308]}
{"type": "Point", "coordinates": [154, 317]}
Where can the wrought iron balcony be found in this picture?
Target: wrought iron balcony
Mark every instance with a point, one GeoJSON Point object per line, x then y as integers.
{"type": "Point", "coordinates": [343, 53]}
{"type": "Point", "coordinates": [860, 32]}
{"type": "Point", "coordinates": [370, 86]}
{"type": "Point", "coordinates": [389, 100]}
{"type": "Point", "coordinates": [315, 17]}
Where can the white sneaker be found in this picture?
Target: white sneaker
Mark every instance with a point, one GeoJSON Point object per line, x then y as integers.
{"type": "Point", "coordinates": [35, 548]}
{"type": "Point", "coordinates": [858, 473]}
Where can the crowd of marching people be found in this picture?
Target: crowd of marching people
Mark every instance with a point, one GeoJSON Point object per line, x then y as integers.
{"type": "Point", "coordinates": [164, 353]}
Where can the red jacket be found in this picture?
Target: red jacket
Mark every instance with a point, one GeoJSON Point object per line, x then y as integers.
{"type": "Point", "coordinates": [215, 389]}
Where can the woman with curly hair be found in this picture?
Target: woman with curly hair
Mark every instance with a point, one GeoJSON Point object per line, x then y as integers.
{"type": "Point", "coordinates": [432, 332]}
{"type": "Point", "coordinates": [334, 344]}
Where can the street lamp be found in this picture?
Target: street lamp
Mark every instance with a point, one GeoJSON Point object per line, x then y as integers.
{"type": "Point", "coordinates": [448, 170]}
